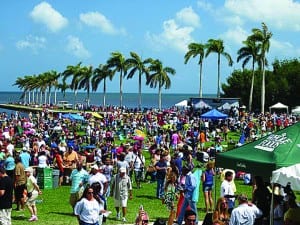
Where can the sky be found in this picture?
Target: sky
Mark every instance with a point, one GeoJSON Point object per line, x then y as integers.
{"type": "Point", "coordinates": [39, 36]}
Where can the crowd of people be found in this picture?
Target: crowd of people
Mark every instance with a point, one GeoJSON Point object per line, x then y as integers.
{"type": "Point", "coordinates": [97, 166]}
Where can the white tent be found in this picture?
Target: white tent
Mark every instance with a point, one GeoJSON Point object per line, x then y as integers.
{"type": "Point", "coordinates": [183, 103]}
{"type": "Point", "coordinates": [225, 106]}
{"type": "Point", "coordinates": [279, 106]}
{"type": "Point", "coordinates": [201, 104]}
{"type": "Point", "coordinates": [287, 174]}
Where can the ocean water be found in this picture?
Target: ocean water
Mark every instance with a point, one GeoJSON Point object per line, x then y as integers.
{"type": "Point", "coordinates": [130, 100]}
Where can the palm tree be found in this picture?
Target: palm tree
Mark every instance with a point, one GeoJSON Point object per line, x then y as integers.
{"type": "Point", "coordinates": [263, 38]}
{"type": "Point", "coordinates": [196, 49]}
{"type": "Point", "coordinates": [72, 71]}
{"type": "Point", "coordinates": [84, 76]}
{"type": "Point", "coordinates": [117, 63]}
{"type": "Point", "coordinates": [246, 53]}
{"type": "Point", "coordinates": [159, 77]}
{"type": "Point", "coordinates": [63, 87]}
{"type": "Point", "coordinates": [136, 64]}
{"type": "Point", "coordinates": [100, 74]}
{"type": "Point", "coordinates": [217, 46]}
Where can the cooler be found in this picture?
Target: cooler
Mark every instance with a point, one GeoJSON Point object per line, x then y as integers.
{"type": "Point", "coordinates": [44, 178]}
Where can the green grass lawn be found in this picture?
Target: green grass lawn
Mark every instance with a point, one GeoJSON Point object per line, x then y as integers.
{"type": "Point", "coordinates": [55, 208]}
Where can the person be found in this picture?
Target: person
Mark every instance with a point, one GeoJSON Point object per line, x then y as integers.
{"type": "Point", "coordinates": [170, 197]}
{"type": "Point", "coordinates": [142, 217]}
{"type": "Point", "coordinates": [25, 157]}
{"type": "Point", "coordinates": [292, 215]}
{"type": "Point", "coordinates": [58, 164]}
{"type": "Point", "coordinates": [33, 191]}
{"type": "Point", "coordinates": [121, 187]}
{"type": "Point", "coordinates": [97, 177]}
{"type": "Point", "coordinates": [208, 181]}
{"type": "Point", "coordinates": [43, 160]}
{"type": "Point", "coordinates": [20, 184]}
{"type": "Point", "coordinates": [6, 196]}
{"type": "Point", "coordinates": [261, 197]}
{"type": "Point", "coordinates": [190, 217]}
{"type": "Point", "coordinates": [278, 210]}
{"type": "Point", "coordinates": [189, 187]}
{"type": "Point", "coordinates": [101, 200]}
{"type": "Point", "coordinates": [139, 167]}
{"type": "Point", "coordinates": [87, 209]}
{"type": "Point", "coordinates": [227, 190]}
{"type": "Point", "coordinates": [161, 171]}
{"type": "Point", "coordinates": [70, 157]}
{"type": "Point", "coordinates": [245, 213]}
{"type": "Point", "coordinates": [10, 165]}
{"type": "Point", "coordinates": [221, 211]}
{"type": "Point", "coordinates": [78, 178]}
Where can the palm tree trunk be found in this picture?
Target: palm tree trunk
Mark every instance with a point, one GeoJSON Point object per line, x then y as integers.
{"type": "Point", "coordinates": [219, 76]}
{"type": "Point", "coordinates": [159, 98]}
{"type": "Point", "coordinates": [29, 95]}
{"type": "Point", "coordinates": [140, 91]}
{"type": "Point", "coordinates": [263, 92]}
{"type": "Point", "coordinates": [200, 82]}
{"type": "Point", "coordinates": [121, 89]}
{"type": "Point", "coordinates": [251, 88]}
{"type": "Point", "coordinates": [104, 92]}
{"type": "Point", "coordinates": [55, 95]}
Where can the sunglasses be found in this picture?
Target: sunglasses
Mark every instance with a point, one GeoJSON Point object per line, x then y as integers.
{"type": "Point", "coordinates": [90, 192]}
{"type": "Point", "coordinates": [191, 220]}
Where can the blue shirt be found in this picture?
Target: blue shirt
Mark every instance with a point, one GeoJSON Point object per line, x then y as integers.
{"type": "Point", "coordinates": [25, 159]}
{"type": "Point", "coordinates": [190, 185]}
{"type": "Point", "coordinates": [78, 177]}
{"type": "Point", "coordinates": [9, 163]}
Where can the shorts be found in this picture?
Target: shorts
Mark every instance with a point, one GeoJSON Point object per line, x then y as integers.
{"type": "Point", "coordinates": [207, 188]}
{"type": "Point", "coordinates": [74, 197]}
{"type": "Point", "coordinates": [121, 203]}
{"type": "Point", "coordinates": [5, 216]}
{"type": "Point", "coordinates": [31, 201]}
{"type": "Point", "coordinates": [19, 190]}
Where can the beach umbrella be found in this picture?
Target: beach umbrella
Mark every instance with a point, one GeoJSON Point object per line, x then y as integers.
{"type": "Point", "coordinates": [139, 133]}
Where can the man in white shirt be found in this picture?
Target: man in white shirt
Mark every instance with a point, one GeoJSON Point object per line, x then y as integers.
{"type": "Point", "coordinates": [96, 176]}
{"type": "Point", "coordinates": [227, 190]}
{"type": "Point", "coordinates": [245, 213]}
{"type": "Point", "coordinates": [10, 148]}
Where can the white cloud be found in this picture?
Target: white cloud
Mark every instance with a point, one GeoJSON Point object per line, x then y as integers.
{"type": "Point", "coordinates": [188, 17]}
{"type": "Point", "coordinates": [172, 36]}
{"type": "Point", "coordinates": [176, 32]}
{"type": "Point", "coordinates": [205, 5]}
{"type": "Point", "coordinates": [282, 14]}
{"type": "Point", "coordinates": [235, 36]}
{"type": "Point", "coordinates": [45, 14]}
{"type": "Point", "coordinates": [32, 42]}
{"type": "Point", "coordinates": [283, 48]}
{"type": "Point", "coordinates": [76, 48]}
{"type": "Point", "coordinates": [96, 19]}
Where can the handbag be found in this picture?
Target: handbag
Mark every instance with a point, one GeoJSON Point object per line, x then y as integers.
{"type": "Point", "coordinates": [29, 194]}
{"type": "Point", "coordinates": [151, 169]}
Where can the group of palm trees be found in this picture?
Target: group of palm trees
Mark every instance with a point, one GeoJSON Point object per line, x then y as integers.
{"type": "Point", "coordinates": [255, 47]}
{"type": "Point", "coordinates": [88, 79]}
{"type": "Point", "coordinates": [157, 76]}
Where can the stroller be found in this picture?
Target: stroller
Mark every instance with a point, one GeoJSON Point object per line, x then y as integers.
{"type": "Point", "coordinates": [142, 217]}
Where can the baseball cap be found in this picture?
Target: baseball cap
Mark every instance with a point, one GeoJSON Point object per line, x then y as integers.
{"type": "Point", "coordinates": [122, 170]}
{"type": "Point", "coordinates": [95, 167]}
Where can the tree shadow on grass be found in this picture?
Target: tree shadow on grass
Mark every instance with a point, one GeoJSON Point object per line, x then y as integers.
{"type": "Point", "coordinates": [145, 196]}
{"type": "Point", "coordinates": [19, 217]}
{"type": "Point", "coordinates": [63, 213]}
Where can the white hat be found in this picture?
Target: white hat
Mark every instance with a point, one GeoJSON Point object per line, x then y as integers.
{"type": "Point", "coordinates": [95, 167]}
{"type": "Point", "coordinates": [29, 169]}
{"type": "Point", "coordinates": [122, 170]}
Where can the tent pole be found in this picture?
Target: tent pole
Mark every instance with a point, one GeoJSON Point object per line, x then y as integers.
{"type": "Point", "coordinates": [272, 206]}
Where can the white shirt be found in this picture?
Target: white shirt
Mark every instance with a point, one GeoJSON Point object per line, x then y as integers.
{"type": "Point", "coordinates": [244, 214]}
{"type": "Point", "coordinates": [88, 211]}
{"type": "Point", "coordinates": [98, 177]}
{"type": "Point", "coordinates": [227, 189]}
{"type": "Point", "coordinates": [42, 161]}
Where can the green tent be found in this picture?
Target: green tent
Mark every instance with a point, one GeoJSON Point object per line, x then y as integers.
{"type": "Point", "coordinates": [269, 153]}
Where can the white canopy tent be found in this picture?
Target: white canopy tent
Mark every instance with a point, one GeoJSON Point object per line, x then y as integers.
{"type": "Point", "coordinates": [201, 104]}
{"type": "Point", "coordinates": [183, 103]}
{"type": "Point", "coordinates": [287, 174]}
{"type": "Point", "coordinates": [279, 106]}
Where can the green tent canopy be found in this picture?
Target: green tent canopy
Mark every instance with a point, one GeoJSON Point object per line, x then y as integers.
{"type": "Point", "coordinates": [269, 153]}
